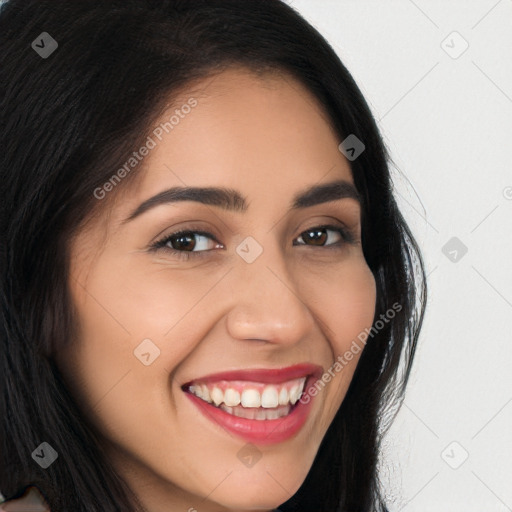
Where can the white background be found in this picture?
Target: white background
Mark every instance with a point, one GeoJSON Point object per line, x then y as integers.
{"type": "Point", "coordinates": [448, 124]}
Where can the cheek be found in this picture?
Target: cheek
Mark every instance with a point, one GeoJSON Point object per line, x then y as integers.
{"type": "Point", "coordinates": [345, 302]}
{"type": "Point", "coordinates": [345, 307]}
{"type": "Point", "coordinates": [120, 305]}
{"type": "Point", "coordinates": [357, 296]}
{"type": "Point", "coordinates": [117, 309]}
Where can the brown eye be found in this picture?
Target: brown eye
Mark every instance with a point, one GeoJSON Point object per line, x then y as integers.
{"type": "Point", "coordinates": [182, 242]}
{"type": "Point", "coordinates": [187, 243]}
{"type": "Point", "coordinates": [318, 236]}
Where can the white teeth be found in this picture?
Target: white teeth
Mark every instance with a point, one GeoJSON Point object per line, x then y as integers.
{"type": "Point", "coordinates": [217, 396]}
{"type": "Point", "coordinates": [269, 397]}
{"type": "Point", "coordinates": [257, 413]}
{"type": "Point", "coordinates": [231, 397]}
{"type": "Point", "coordinates": [250, 398]}
{"type": "Point", "coordinates": [272, 415]}
{"type": "Point", "coordinates": [206, 393]}
{"type": "Point", "coordinates": [294, 393]}
{"type": "Point", "coordinates": [283, 396]}
{"type": "Point", "coordinates": [237, 411]}
{"type": "Point", "coordinates": [260, 414]}
{"type": "Point", "coordinates": [250, 414]}
{"type": "Point", "coordinates": [226, 408]}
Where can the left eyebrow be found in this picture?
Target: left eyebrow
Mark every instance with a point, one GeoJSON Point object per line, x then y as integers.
{"type": "Point", "coordinates": [231, 200]}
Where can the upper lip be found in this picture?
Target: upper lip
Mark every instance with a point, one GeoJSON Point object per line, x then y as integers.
{"type": "Point", "coordinates": [264, 375]}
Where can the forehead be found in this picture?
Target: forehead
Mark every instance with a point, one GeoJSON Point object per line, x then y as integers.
{"type": "Point", "coordinates": [256, 133]}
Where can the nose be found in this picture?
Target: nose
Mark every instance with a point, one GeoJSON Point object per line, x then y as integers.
{"type": "Point", "coordinates": [266, 302]}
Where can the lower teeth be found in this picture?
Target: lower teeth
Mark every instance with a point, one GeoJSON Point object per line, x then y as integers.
{"type": "Point", "coordinates": [257, 413]}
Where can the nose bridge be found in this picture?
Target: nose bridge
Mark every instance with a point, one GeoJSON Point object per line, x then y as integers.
{"type": "Point", "coordinates": [266, 304]}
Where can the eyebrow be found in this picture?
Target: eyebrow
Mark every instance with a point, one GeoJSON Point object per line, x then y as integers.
{"type": "Point", "coordinates": [231, 200]}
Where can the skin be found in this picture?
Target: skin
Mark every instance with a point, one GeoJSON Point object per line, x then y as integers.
{"type": "Point", "coordinates": [268, 138]}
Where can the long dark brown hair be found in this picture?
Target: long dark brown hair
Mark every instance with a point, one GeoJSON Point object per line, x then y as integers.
{"type": "Point", "coordinates": [68, 120]}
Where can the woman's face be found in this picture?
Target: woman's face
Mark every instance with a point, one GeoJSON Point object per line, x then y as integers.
{"type": "Point", "coordinates": [256, 284]}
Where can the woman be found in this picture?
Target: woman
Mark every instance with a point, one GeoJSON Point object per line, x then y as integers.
{"type": "Point", "coordinates": [210, 300]}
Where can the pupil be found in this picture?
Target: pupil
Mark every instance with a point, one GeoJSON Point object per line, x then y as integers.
{"type": "Point", "coordinates": [179, 241]}
{"type": "Point", "coordinates": [318, 233]}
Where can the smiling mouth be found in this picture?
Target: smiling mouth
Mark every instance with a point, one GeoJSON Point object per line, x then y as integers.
{"type": "Point", "coordinates": [262, 406]}
{"type": "Point", "coordinates": [250, 400]}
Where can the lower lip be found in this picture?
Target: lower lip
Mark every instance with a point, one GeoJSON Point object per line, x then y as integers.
{"type": "Point", "coordinates": [262, 432]}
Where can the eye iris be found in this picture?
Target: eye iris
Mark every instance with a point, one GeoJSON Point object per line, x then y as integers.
{"type": "Point", "coordinates": [179, 244]}
{"type": "Point", "coordinates": [317, 233]}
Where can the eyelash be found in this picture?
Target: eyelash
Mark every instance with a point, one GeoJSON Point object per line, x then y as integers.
{"type": "Point", "coordinates": [161, 244]}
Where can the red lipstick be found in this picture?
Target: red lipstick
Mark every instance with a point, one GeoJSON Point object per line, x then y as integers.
{"type": "Point", "coordinates": [258, 431]}
{"type": "Point", "coordinates": [268, 376]}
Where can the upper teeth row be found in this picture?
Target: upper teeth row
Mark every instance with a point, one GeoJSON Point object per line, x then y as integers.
{"type": "Point", "coordinates": [271, 395]}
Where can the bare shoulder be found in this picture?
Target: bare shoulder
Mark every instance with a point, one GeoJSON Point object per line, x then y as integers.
{"type": "Point", "coordinates": [31, 500]}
